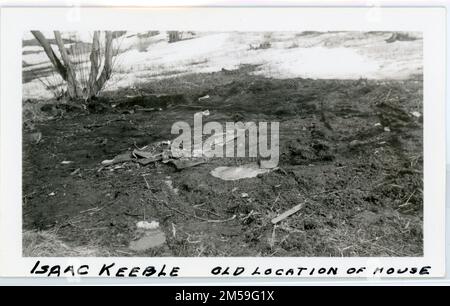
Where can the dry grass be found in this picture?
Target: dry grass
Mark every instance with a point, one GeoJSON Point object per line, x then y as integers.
{"type": "Point", "coordinates": [47, 244]}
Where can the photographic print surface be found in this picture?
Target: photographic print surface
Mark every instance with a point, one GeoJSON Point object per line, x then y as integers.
{"type": "Point", "coordinates": [222, 144]}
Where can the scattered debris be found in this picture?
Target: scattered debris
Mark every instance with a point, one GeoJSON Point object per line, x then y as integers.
{"type": "Point", "coordinates": [145, 158]}
{"type": "Point", "coordinates": [184, 163]}
{"type": "Point", "coordinates": [36, 137]}
{"type": "Point", "coordinates": [150, 239]}
{"type": "Point", "coordinates": [356, 143]}
{"type": "Point", "coordinates": [207, 211]}
{"type": "Point", "coordinates": [149, 236]}
{"type": "Point", "coordinates": [169, 184]}
{"type": "Point", "coordinates": [220, 221]}
{"type": "Point", "coordinates": [146, 161]}
{"type": "Point", "coordinates": [76, 171]}
{"type": "Point", "coordinates": [203, 98]}
{"type": "Point", "coordinates": [147, 110]}
{"type": "Point", "coordinates": [237, 173]}
{"type": "Point", "coordinates": [174, 230]}
{"type": "Point", "coordinates": [148, 154]}
{"type": "Point", "coordinates": [272, 238]}
{"type": "Point", "coordinates": [287, 213]}
{"type": "Point", "coordinates": [118, 159]}
{"type": "Point", "coordinates": [146, 183]}
{"type": "Point", "coordinates": [91, 210]}
{"type": "Point", "coordinates": [147, 225]}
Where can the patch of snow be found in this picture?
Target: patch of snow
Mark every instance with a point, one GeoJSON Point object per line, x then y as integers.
{"type": "Point", "coordinates": [341, 55]}
{"type": "Point", "coordinates": [316, 63]}
{"type": "Point", "coordinates": [32, 49]}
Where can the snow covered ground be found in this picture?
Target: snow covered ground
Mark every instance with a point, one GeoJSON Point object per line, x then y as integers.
{"type": "Point", "coordinates": [330, 55]}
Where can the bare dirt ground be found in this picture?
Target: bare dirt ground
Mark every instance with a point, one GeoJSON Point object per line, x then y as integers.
{"type": "Point", "coordinates": [351, 151]}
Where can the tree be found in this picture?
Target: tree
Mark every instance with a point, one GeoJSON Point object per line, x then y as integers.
{"type": "Point", "coordinates": [68, 71]}
{"type": "Point", "coordinates": [174, 36]}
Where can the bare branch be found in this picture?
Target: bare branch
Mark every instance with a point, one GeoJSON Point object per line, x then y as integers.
{"type": "Point", "coordinates": [72, 85]}
{"type": "Point", "coordinates": [50, 53]}
{"type": "Point", "coordinates": [94, 57]}
{"type": "Point", "coordinates": [107, 67]}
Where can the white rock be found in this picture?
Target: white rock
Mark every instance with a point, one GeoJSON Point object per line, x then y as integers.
{"type": "Point", "coordinates": [147, 225]}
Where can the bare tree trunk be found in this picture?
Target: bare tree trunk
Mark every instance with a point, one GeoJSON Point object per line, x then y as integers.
{"type": "Point", "coordinates": [72, 84]}
{"type": "Point", "coordinates": [174, 36]}
{"type": "Point", "coordinates": [50, 53]}
{"type": "Point", "coordinates": [66, 68]}
{"type": "Point", "coordinates": [94, 57]}
{"type": "Point", "coordinates": [98, 84]}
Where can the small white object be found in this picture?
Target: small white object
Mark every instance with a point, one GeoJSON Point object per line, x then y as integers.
{"type": "Point", "coordinates": [66, 162]}
{"type": "Point", "coordinates": [416, 114]}
{"type": "Point", "coordinates": [205, 113]}
{"type": "Point", "coordinates": [244, 195]}
{"type": "Point", "coordinates": [51, 194]}
{"type": "Point", "coordinates": [169, 184]}
{"type": "Point", "coordinates": [387, 129]}
{"type": "Point", "coordinates": [147, 225]}
{"type": "Point", "coordinates": [237, 173]}
{"type": "Point", "coordinates": [203, 98]}
{"type": "Point", "coordinates": [107, 162]}
{"type": "Point", "coordinates": [377, 124]}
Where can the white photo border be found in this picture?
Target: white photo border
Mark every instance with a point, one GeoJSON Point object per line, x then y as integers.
{"type": "Point", "coordinates": [431, 21]}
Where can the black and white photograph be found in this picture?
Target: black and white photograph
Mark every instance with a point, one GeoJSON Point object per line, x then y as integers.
{"type": "Point", "coordinates": [222, 145]}
{"type": "Point", "coordinates": [159, 143]}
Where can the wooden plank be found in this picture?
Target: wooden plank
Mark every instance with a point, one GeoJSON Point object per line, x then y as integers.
{"type": "Point", "coordinates": [287, 213]}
